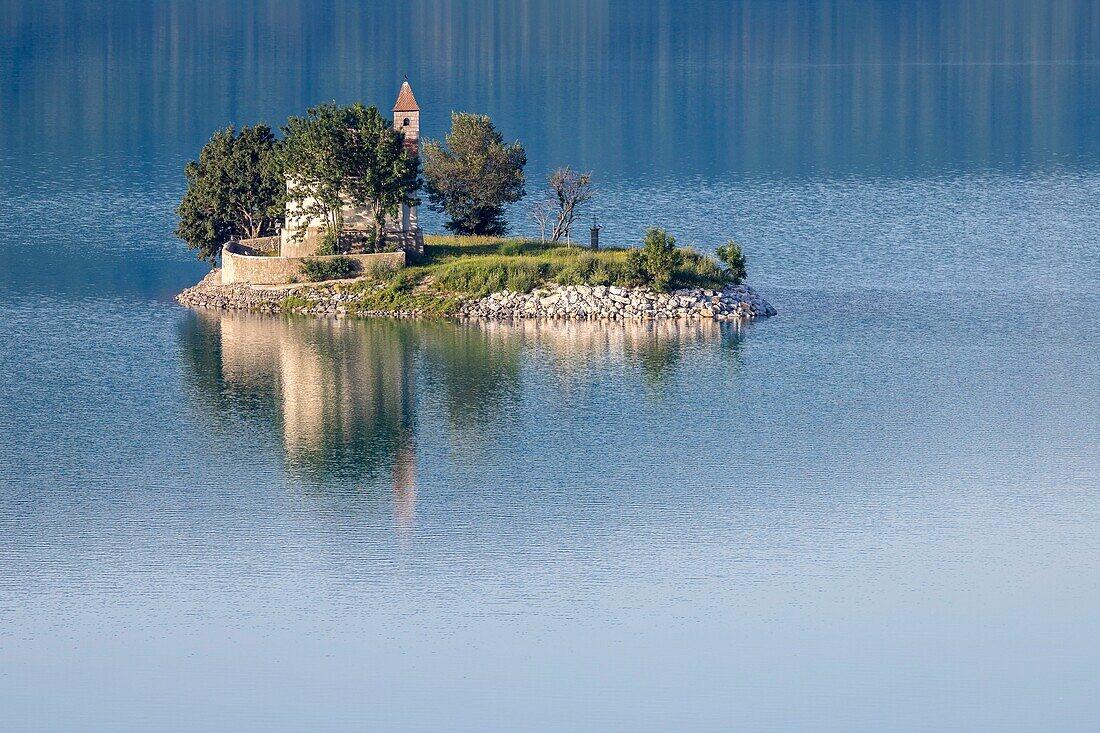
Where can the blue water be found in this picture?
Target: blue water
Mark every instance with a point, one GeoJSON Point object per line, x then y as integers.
{"type": "Point", "coordinates": [879, 510]}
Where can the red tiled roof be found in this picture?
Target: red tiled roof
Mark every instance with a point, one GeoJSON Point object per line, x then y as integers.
{"type": "Point", "coordinates": [406, 102]}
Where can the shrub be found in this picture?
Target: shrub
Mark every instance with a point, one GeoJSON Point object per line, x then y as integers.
{"type": "Point", "coordinates": [480, 276]}
{"type": "Point", "coordinates": [697, 270]}
{"type": "Point", "coordinates": [574, 271]}
{"type": "Point", "coordinates": [633, 274]}
{"type": "Point", "coordinates": [521, 282]}
{"type": "Point", "coordinates": [730, 253]}
{"type": "Point", "coordinates": [404, 280]}
{"type": "Point", "coordinates": [370, 243]}
{"type": "Point", "coordinates": [329, 244]}
{"type": "Point", "coordinates": [589, 268]}
{"type": "Point", "coordinates": [601, 274]}
{"type": "Point", "coordinates": [511, 247]}
{"type": "Point", "coordinates": [659, 257]}
{"type": "Point", "coordinates": [333, 268]}
{"type": "Point", "coordinates": [391, 299]}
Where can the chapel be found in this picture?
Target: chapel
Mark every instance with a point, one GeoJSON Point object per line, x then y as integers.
{"type": "Point", "coordinates": [402, 232]}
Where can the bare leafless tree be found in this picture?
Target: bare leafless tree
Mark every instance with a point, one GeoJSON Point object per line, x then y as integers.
{"type": "Point", "coordinates": [569, 192]}
{"type": "Point", "coordinates": [542, 212]}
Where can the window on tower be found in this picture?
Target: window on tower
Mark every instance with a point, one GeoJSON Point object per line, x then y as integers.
{"type": "Point", "coordinates": [405, 123]}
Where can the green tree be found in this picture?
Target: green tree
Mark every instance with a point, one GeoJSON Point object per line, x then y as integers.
{"type": "Point", "coordinates": [474, 175]}
{"type": "Point", "coordinates": [347, 155]}
{"type": "Point", "coordinates": [386, 176]}
{"type": "Point", "coordinates": [234, 190]}
{"type": "Point", "coordinates": [659, 257]}
{"type": "Point", "coordinates": [734, 259]}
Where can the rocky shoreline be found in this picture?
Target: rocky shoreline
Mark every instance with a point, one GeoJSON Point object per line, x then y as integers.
{"type": "Point", "coordinates": [559, 302]}
{"type": "Point", "coordinates": [599, 302]}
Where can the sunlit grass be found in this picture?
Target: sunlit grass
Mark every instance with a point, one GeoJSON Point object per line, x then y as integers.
{"type": "Point", "coordinates": [454, 268]}
{"type": "Point", "coordinates": [294, 302]}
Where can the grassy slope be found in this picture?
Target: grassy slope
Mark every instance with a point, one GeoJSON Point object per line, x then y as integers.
{"type": "Point", "coordinates": [456, 268]}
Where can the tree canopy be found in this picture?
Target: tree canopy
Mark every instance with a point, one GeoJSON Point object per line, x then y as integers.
{"type": "Point", "coordinates": [474, 175]}
{"type": "Point", "coordinates": [734, 259]}
{"type": "Point", "coordinates": [234, 190]}
{"type": "Point", "coordinates": [339, 155]}
{"type": "Point", "coordinates": [658, 256]}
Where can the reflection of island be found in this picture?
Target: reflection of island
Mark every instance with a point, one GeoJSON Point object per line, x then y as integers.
{"type": "Point", "coordinates": [576, 347]}
{"type": "Point", "coordinates": [343, 395]}
{"type": "Point", "coordinates": [340, 392]}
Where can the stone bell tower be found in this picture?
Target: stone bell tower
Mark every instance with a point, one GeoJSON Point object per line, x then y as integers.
{"type": "Point", "coordinates": [406, 120]}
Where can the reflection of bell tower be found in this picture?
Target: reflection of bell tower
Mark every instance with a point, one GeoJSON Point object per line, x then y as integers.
{"type": "Point", "coordinates": [406, 120]}
{"type": "Point", "coordinates": [404, 485]}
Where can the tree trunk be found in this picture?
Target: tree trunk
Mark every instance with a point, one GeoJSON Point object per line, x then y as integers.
{"type": "Point", "coordinates": [560, 227]}
{"type": "Point", "coordinates": [379, 226]}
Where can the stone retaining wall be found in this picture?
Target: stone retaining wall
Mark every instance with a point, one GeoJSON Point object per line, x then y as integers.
{"type": "Point", "coordinates": [410, 240]}
{"type": "Point", "coordinates": [262, 244]}
{"type": "Point", "coordinates": [240, 264]}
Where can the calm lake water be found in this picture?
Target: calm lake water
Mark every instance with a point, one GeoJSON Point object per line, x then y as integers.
{"type": "Point", "coordinates": [878, 511]}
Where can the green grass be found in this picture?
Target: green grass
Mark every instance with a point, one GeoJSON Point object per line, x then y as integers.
{"type": "Point", "coordinates": [477, 266]}
{"type": "Point", "coordinates": [441, 248]}
{"type": "Point", "coordinates": [480, 275]}
{"type": "Point", "coordinates": [456, 268]}
{"type": "Point", "coordinates": [291, 302]}
{"type": "Point", "coordinates": [390, 301]}
{"type": "Point", "coordinates": [399, 290]}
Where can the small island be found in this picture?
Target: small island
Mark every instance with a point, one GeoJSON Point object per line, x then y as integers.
{"type": "Point", "coordinates": [325, 221]}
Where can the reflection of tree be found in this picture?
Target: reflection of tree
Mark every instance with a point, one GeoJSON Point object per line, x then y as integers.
{"type": "Point", "coordinates": [854, 102]}
{"type": "Point", "coordinates": [659, 346]}
{"type": "Point", "coordinates": [201, 351]}
{"type": "Point", "coordinates": [476, 369]}
{"type": "Point", "coordinates": [657, 355]}
{"type": "Point", "coordinates": [733, 334]}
